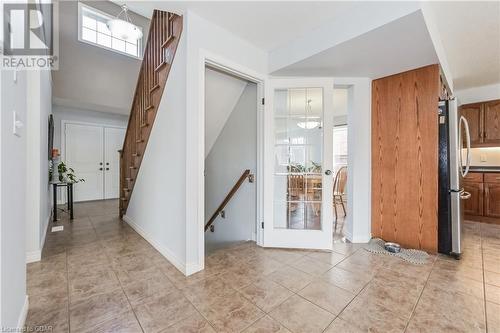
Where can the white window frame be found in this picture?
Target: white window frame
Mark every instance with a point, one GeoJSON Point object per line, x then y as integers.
{"type": "Point", "coordinates": [82, 6]}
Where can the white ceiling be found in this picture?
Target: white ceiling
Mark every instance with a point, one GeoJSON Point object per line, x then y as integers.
{"type": "Point", "coordinates": [265, 24]}
{"type": "Point", "coordinates": [398, 46]}
{"type": "Point", "coordinates": [470, 34]}
{"type": "Point", "coordinates": [222, 92]}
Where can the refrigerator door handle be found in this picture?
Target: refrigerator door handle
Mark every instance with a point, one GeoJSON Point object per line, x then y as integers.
{"type": "Point", "coordinates": [465, 195]}
{"type": "Point", "coordinates": [467, 137]}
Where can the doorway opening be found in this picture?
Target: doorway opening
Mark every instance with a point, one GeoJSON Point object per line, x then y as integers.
{"type": "Point", "coordinates": [231, 150]}
{"type": "Point", "coordinates": [340, 160]}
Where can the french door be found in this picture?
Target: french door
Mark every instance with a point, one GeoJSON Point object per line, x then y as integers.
{"type": "Point", "coordinates": [298, 181]}
{"type": "Point", "coordinates": [92, 151]}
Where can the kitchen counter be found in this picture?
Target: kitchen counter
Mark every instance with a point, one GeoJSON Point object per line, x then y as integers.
{"type": "Point", "coordinates": [484, 169]}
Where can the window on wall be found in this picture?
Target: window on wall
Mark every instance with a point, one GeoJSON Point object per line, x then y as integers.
{"type": "Point", "coordinates": [92, 29]}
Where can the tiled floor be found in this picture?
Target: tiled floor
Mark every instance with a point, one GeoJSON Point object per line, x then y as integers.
{"type": "Point", "coordinates": [98, 275]}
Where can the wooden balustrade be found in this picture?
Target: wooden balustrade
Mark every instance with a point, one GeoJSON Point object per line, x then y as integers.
{"type": "Point", "coordinates": [164, 34]}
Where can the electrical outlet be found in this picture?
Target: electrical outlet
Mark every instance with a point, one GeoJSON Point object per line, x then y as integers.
{"type": "Point", "coordinates": [483, 158]}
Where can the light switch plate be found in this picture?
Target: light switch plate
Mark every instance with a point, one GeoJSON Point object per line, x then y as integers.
{"type": "Point", "coordinates": [483, 158]}
{"type": "Point", "coordinates": [17, 124]}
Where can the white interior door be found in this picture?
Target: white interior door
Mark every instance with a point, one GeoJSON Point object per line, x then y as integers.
{"type": "Point", "coordinates": [298, 182]}
{"type": "Point", "coordinates": [113, 141]}
{"type": "Point", "coordinates": [84, 153]}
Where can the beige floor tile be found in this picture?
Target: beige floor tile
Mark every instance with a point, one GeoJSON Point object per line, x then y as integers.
{"type": "Point", "coordinates": [342, 326]}
{"type": "Point", "coordinates": [240, 277]}
{"type": "Point", "coordinates": [48, 319]}
{"type": "Point", "coordinates": [349, 281]}
{"type": "Point", "coordinates": [493, 317]}
{"type": "Point", "coordinates": [448, 281]}
{"type": "Point", "coordinates": [58, 299]}
{"type": "Point", "coordinates": [311, 266]}
{"type": "Point", "coordinates": [56, 263]}
{"type": "Point", "coordinates": [455, 269]}
{"type": "Point", "coordinates": [230, 314]}
{"type": "Point", "coordinates": [446, 311]}
{"type": "Point", "coordinates": [266, 294]}
{"type": "Point", "coordinates": [492, 278]}
{"type": "Point", "coordinates": [205, 291]}
{"type": "Point", "coordinates": [155, 284]}
{"type": "Point", "coordinates": [158, 313]}
{"type": "Point", "coordinates": [492, 293]}
{"type": "Point", "coordinates": [98, 309]}
{"type": "Point", "coordinates": [327, 296]}
{"type": "Point", "coordinates": [492, 264]}
{"type": "Point", "coordinates": [284, 256]}
{"type": "Point", "coordinates": [124, 323]}
{"type": "Point", "coordinates": [346, 248]}
{"type": "Point", "coordinates": [46, 283]}
{"type": "Point", "coordinates": [266, 325]}
{"type": "Point", "coordinates": [194, 324]}
{"type": "Point", "coordinates": [302, 316]}
{"type": "Point", "coordinates": [369, 316]}
{"type": "Point", "coordinates": [400, 296]}
{"type": "Point", "coordinates": [332, 258]}
{"type": "Point", "coordinates": [291, 278]}
{"type": "Point", "coordinates": [88, 281]}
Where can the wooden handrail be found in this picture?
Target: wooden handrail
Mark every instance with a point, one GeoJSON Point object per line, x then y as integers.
{"type": "Point", "coordinates": [231, 193]}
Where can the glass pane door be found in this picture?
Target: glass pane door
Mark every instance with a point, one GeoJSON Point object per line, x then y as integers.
{"type": "Point", "coordinates": [298, 119]}
{"type": "Point", "coordinates": [298, 194]}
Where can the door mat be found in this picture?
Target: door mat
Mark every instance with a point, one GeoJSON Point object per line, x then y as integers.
{"type": "Point", "coordinates": [376, 245]}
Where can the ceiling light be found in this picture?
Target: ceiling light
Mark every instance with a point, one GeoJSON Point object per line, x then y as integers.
{"type": "Point", "coordinates": [123, 27]}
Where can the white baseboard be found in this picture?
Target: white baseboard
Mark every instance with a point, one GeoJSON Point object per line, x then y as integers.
{"type": "Point", "coordinates": [22, 316]}
{"type": "Point", "coordinates": [33, 256]}
{"type": "Point", "coordinates": [174, 260]}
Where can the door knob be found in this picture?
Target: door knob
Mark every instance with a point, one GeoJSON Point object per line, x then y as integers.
{"type": "Point", "coordinates": [107, 168]}
{"type": "Point", "coordinates": [328, 172]}
{"type": "Point", "coordinates": [107, 163]}
{"type": "Point", "coordinates": [100, 169]}
{"type": "Point", "coordinates": [100, 163]}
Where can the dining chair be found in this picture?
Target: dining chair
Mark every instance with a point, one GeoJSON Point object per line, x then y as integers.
{"type": "Point", "coordinates": [339, 192]}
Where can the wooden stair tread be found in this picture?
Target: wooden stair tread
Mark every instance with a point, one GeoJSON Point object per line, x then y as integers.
{"type": "Point", "coordinates": [159, 53]}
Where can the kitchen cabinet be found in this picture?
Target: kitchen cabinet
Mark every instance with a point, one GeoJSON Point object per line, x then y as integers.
{"type": "Point", "coordinates": [474, 205]}
{"type": "Point", "coordinates": [491, 111]}
{"type": "Point", "coordinates": [484, 203]}
{"type": "Point", "coordinates": [484, 123]}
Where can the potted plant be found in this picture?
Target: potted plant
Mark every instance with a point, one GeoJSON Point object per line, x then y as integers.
{"type": "Point", "coordinates": [67, 174]}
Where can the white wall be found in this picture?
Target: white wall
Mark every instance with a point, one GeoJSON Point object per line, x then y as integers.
{"type": "Point", "coordinates": [13, 299]}
{"type": "Point", "coordinates": [38, 191]}
{"type": "Point", "coordinates": [83, 115]}
{"type": "Point", "coordinates": [358, 224]}
{"type": "Point", "coordinates": [207, 40]}
{"type": "Point", "coordinates": [157, 208]}
{"type": "Point", "coordinates": [478, 94]}
{"type": "Point", "coordinates": [90, 76]}
{"type": "Point", "coordinates": [234, 151]}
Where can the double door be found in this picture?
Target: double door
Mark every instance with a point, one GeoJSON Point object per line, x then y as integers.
{"type": "Point", "coordinates": [92, 151]}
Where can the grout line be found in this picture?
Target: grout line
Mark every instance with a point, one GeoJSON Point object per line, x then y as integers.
{"type": "Point", "coordinates": [484, 279]}
{"type": "Point", "coordinates": [420, 295]}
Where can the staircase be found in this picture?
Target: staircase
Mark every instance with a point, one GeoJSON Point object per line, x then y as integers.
{"type": "Point", "coordinates": [164, 35]}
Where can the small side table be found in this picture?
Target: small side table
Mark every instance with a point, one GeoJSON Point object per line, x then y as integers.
{"type": "Point", "coordinates": [69, 189]}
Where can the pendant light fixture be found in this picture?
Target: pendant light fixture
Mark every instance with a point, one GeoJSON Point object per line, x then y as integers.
{"type": "Point", "coordinates": [122, 27]}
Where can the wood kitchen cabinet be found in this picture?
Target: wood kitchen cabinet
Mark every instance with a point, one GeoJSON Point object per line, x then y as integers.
{"type": "Point", "coordinates": [484, 123]}
{"type": "Point", "coordinates": [474, 205]}
{"type": "Point", "coordinates": [484, 203]}
{"type": "Point", "coordinates": [491, 114]}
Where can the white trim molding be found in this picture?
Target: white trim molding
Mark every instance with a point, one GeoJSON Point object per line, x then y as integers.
{"type": "Point", "coordinates": [22, 316]}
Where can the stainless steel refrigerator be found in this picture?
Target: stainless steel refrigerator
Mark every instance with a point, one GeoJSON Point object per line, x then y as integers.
{"type": "Point", "coordinates": [454, 162]}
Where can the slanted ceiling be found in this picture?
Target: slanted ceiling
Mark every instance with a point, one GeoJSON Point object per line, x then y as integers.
{"type": "Point", "coordinates": [222, 92]}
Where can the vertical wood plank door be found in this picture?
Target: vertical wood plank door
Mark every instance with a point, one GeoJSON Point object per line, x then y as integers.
{"type": "Point", "coordinates": [405, 158]}
{"type": "Point", "coordinates": [492, 199]}
{"type": "Point", "coordinates": [473, 114]}
{"type": "Point", "coordinates": [492, 122]}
